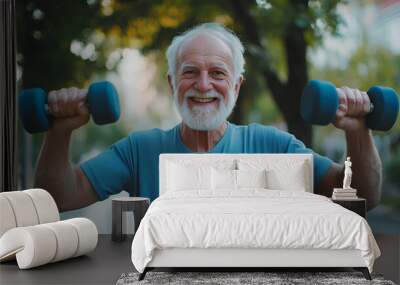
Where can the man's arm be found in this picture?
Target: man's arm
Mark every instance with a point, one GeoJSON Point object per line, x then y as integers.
{"type": "Point", "coordinates": [367, 169]}
{"type": "Point", "coordinates": [67, 184]}
{"type": "Point", "coordinates": [54, 172]}
{"type": "Point", "coordinates": [366, 163]}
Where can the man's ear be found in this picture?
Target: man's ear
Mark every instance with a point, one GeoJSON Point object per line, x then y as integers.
{"type": "Point", "coordinates": [237, 85]}
{"type": "Point", "coordinates": [171, 86]}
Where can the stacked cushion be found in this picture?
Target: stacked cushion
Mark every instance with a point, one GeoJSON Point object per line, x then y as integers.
{"type": "Point", "coordinates": [41, 244]}
{"type": "Point", "coordinates": [31, 230]}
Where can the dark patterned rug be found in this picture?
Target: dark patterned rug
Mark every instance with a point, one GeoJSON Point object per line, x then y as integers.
{"type": "Point", "coordinates": [229, 278]}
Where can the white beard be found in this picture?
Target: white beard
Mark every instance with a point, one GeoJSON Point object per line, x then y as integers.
{"type": "Point", "coordinates": [205, 118]}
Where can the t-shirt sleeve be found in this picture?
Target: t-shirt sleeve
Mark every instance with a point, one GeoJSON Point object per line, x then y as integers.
{"type": "Point", "coordinates": [321, 163]}
{"type": "Point", "coordinates": [111, 171]}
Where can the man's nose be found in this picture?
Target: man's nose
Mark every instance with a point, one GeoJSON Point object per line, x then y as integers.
{"type": "Point", "coordinates": [203, 83]}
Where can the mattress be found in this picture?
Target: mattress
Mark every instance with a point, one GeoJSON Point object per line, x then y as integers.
{"type": "Point", "coordinates": [250, 219]}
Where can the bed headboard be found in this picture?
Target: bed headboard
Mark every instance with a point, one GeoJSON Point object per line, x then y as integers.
{"type": "Point", "coordinates": [213, 159]}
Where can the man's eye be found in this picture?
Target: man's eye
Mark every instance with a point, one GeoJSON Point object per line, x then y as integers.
{"type": "Point", "coordinates": [188, 72]}
{"type": "Point", "coordinates": [218, 73]}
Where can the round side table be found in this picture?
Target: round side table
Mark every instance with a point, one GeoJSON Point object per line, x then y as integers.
{"type": "Point", "coordinates": [137, 205]}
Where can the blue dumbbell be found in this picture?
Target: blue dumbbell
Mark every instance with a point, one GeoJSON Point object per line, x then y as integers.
{"type": "Point", "coordinates": [102, 101]}
{"type": "Point", "coordinates": [320, 102]}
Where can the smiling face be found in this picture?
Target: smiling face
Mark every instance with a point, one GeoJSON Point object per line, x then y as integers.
{"type": "Point", "coordinates": [206, 91]}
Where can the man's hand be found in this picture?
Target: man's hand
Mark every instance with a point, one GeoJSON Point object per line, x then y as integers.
{"type": "Point", "coordinates": [354, 105]}
{"type": "Point", "coordinates": [67, 106]}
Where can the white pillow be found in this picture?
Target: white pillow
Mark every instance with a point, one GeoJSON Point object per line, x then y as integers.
{"type": "Point", "coordinates": [181, 178]}
{"type": "Point", "coordinates": [280, 180]}
{"type": "Point", "coordinates": [223, 179]}
{"type": "Point", "coordinates": [251, 178]}
{"type": "Point", "coordinates": [236, 179]}
{"type": "Point", "coordinates": [282, 174]}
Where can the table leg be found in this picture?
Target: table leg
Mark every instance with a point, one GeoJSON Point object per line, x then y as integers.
{"type": "Point", "coordinates": [138, 213]}
{"type": "Point", "coordinates": [118, 221]}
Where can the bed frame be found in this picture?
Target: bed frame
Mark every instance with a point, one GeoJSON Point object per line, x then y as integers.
{"type": "Point", "coordinates": [247, 259]}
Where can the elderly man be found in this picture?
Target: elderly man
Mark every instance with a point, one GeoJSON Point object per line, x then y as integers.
{"type": "Point", "coordinates": [205, 74]}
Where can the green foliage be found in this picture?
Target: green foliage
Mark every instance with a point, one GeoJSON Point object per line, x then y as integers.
{"type": "Point", "coordinates": [47, 30]}
{"type": "Point", "coordinates": [317, 18]}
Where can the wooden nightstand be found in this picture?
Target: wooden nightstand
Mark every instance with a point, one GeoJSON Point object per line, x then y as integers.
{"type": "Point", "coordinates": [358, 205]}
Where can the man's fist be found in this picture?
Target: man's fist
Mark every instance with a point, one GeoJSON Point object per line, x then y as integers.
{"type": "Point", "coordinates": [67, 106]}
{"type": "Point", "coordinates": [354, 105]}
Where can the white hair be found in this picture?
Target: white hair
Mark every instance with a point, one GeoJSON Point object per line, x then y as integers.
{"type": "Point", "coordinates": [215, 29]}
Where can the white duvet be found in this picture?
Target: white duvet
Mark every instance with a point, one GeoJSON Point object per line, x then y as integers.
{"type": "Point", "coordinates": [253, 218]}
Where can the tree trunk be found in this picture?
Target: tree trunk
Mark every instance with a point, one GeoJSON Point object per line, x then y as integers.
{"type": "Point", "coordinates": [296, 52]}
{"type": "Point", "coordinates": [287, 95]}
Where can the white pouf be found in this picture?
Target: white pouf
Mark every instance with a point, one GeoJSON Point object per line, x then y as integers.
{"type": "Point", "coordinates": [31, 232]}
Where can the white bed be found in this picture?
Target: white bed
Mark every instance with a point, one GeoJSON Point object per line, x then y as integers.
{"type": "Point", "coordinates": [215, 224]}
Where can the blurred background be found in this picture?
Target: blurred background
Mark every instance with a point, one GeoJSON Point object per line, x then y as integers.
{"type": "Point", "coordinates": [73, 43]}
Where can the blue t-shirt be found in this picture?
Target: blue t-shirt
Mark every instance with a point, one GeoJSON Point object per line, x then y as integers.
{"type": "Point", "coordinates": [131, 164]}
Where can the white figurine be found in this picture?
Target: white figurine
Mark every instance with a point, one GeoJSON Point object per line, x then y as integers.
{"type": "Point", "coordinates": [347, 174]}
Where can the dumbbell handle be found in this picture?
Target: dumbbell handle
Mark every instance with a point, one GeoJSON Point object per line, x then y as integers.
{"type": "Point", "coordinates": [371, 105]}
{"type": "Point", "coordinates": [371, 108]}
{"type": "Point", "coordinates": [47, 108]}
